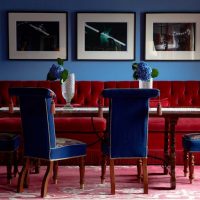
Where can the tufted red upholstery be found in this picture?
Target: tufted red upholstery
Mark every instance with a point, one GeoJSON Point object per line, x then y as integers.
{"type": "Point", "coordinates": [80, 124]}
{"type": "Point", "coordinates": [172, 93]}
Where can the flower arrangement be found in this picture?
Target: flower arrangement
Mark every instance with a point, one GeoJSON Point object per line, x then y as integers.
{"type": "Point", "coordinates": [142, 71]}
{"type": "Point", "coordinates": [57, 71]}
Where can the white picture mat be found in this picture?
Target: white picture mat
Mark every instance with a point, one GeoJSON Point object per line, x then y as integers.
{"type": "Point", "coordinates": [128, 18]}
{"type": "Point", "coordinates": [151, 54]}
{"type": "Point", "coordinates": [49, 17]}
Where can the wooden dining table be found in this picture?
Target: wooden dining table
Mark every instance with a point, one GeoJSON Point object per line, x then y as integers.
{"type": "Point", "coordinates": [171, 116]}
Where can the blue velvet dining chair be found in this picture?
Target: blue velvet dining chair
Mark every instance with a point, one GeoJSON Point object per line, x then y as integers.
{"type": "Point", "coordinates": [9, 145]}
{"type": "Point", "coordinates": [191, 145]}
{"type": "Point", "coordinates": [127, 136]}
{"type": "Point", "coordinates": [40, 142]}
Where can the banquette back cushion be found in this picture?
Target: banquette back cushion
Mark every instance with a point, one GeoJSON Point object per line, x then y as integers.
{"type": "Point", "coordinates": [172, 93]}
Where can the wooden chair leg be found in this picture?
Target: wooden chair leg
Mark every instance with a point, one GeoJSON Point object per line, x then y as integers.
{"type": "Point", "coordinates": [103, 168]}
{"type": "Point", "coordinates": [20, 185]}
{"type": "Point", "coordinates": [145, 175]}
{"type": "Point", "coordinates": [186, 162]}
{"type": "Point", "coordinates": [139, 170]}
{"type": "Point", "coordinates": [27, 179]}
{"type": "Point", "coordinates": [45, 180]}
{"type": "Point", "coordinates": [9, 167]}
{"type": "Point", "coordinates": [191, 167]}
{"type": "Point", "coordinates": [15, 160]}
{"type": "Point", "coordinates": [12, 160]}
{"type": "Point", "coordinates": [35, 166]}
{"type": "Point", "coordinates": [82, 171]}
{"type": "Point", "coordinates": [112, 176]}
{"type": "Point", "coordinates": [55, 172]}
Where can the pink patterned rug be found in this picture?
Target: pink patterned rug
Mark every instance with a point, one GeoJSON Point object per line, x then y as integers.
{"type": "Point", "coordinates": [127, 186]}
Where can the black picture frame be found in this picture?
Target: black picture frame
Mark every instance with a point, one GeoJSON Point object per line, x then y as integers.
{"type": "Point", "coordinates": [37, 35]}
{"type": "Point", "coordinates": [105, 36]}
{"type": "Point", "coordinates": [172, 36]}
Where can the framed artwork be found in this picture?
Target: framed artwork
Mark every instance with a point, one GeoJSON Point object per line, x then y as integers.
{"type": "Point", "coordinates": [105, 36]}
{"type": "Point", "coordinates": [37, 35]}
{"type": "Point", "coordinates": [172, 36]}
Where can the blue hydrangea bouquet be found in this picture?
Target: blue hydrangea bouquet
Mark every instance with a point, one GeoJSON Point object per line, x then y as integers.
{"type": "Point", "coordinates": [57, 71]}
{"type": "Point", "coordinates": [142, 71]}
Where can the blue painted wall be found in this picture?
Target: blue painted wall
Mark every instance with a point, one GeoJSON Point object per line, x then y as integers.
{"type": "Point", "coordinates": [92, 70]}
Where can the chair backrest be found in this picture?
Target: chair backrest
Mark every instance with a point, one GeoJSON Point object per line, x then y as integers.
{"type": "Point", "coordinates": [37, 120]}
{"type": "Point", "coordinates": [128, 121]}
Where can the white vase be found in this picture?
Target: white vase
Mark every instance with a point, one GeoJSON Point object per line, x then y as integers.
{"type": "Point", "coordinates": [68, 89]}
{"type": "Point", "coordinates": [146, 84]}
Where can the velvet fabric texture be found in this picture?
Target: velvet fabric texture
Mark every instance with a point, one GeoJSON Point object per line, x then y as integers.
{"type": "Point", "coordinates": [38, 126]}
{"type": "Point", "coordinates": [191, 142]}
{"type": "Point", "coordinates": [87, 93]}
{"type": "Point", "coordinates": [172, 93]}
{"type": "Point", "coordinates": [128, 122]}
{"type": "Point", "coordinates": [9, 141]}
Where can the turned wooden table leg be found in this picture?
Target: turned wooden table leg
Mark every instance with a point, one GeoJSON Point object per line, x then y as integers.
{"type": "Point", "coordinates": [166, 146]}
{"type": "Point", "coordinates": [103, 168]}
{"type": "Point", "coordinates": [173, 122]}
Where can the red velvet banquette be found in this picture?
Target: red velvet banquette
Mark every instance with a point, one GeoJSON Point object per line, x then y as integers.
{"type": "Point", "coordinates": [172, 93]}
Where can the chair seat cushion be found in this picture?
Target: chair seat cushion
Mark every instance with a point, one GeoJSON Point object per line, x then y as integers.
{"type": "Point", "coordinates": [9, 141]}
{"type": "Point", "coordinates": [67, 148]}
{"type": "Point", "coordinates": [191, 142]}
